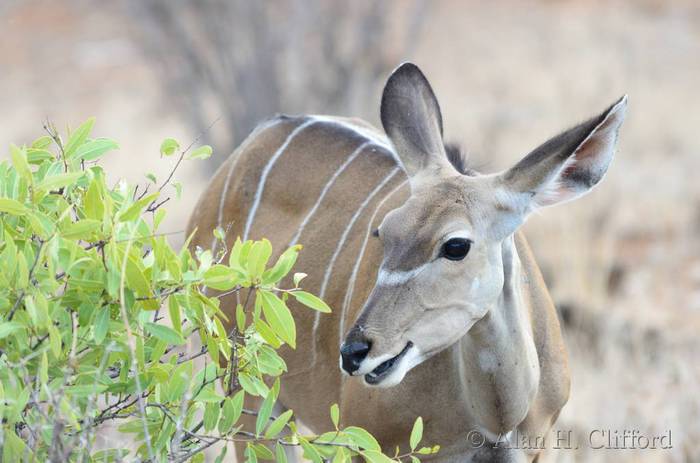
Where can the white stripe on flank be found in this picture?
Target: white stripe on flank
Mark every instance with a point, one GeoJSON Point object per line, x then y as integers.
{"type": "Point", "coordinates": [376, 137]}
{"type": "Point", "coordinates": [346, 232]}
{"type": "Point", "coordinates": [339, 247]}
{"type": "Point", "coordinates": [351, 284]}
{"type": "Point", "coordinates": [236, 156]}
{"type": "Point", "coordinates": [266, 172]}
{"type": "Point", "coordinates": [326, 188]}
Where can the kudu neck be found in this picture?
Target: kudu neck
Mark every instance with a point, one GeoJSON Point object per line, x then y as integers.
{"type": "Point", "coordinates": [500, 368]}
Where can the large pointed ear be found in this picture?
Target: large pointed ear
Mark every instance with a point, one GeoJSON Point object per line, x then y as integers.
{"type": "Point", "coordinates": [411, 118]}
{"type": "Point", "coordinates": [568, 165]}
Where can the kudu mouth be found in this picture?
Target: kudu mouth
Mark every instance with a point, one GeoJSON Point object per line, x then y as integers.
{"type": "Point", "coordinates": [385, 368]}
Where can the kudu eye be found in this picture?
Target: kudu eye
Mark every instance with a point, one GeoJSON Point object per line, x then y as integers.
{"type": "Point", "coordinates": [456, 248]}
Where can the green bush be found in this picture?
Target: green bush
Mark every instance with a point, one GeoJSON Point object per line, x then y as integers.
{"type": "Point", "coordinates": [86, 281]}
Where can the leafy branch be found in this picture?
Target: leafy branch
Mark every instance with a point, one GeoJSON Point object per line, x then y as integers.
{"type": "Point", "coordinates": [103, 321]}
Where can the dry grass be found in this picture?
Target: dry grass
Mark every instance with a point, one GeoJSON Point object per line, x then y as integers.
{"type": "Point", "coordinates": [624, 263]}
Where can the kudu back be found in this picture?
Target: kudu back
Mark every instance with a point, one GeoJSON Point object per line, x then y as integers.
{"type": "Point", "coordinates": [439, 308]}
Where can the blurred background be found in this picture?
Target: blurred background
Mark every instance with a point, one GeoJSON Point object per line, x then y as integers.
{"type": "Point", "coordinates": [623, 264]}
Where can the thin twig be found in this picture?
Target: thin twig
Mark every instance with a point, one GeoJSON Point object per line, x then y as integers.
{"type": "Point", "coordinates": [182, 156]}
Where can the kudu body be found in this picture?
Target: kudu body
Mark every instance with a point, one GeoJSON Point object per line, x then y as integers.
{"type": "Point", "coordinates": [423, 266]}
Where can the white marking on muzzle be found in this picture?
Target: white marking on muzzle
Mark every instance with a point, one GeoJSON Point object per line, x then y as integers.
{"type": "Point", "coordinates": [409, 360]}
{"type": "Point", "coordinates": [398, 277]}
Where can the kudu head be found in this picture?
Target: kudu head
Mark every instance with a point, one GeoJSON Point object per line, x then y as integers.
{"type": "Point", "coordinates": [443, 264]}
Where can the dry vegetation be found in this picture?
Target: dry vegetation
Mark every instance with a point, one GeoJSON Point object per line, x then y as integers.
{"type": "Point", "coordinates": [623, 264]}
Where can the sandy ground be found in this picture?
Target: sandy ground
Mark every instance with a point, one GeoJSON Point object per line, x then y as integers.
{"type": "Point", "coordinates": [622, 264]}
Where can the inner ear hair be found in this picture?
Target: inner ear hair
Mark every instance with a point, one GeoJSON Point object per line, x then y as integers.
{"type": "Point", "coordinates": [459, 159]}
{"type": "Point", "coordinates": [571, 163]}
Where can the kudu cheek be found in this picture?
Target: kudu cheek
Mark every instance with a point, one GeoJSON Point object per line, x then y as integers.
{"type": "Point", "coordinates": [438, 330]}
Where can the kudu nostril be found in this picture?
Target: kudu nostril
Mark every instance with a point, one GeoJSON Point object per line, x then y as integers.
{"type": "Point", "coordinates": [353, 352]}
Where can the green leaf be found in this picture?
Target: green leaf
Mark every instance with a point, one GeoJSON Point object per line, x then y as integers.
{"type": "Point", "coordinates": [376, 456]}
{"type": "Point", "coordinates": [265, 411]}
{"type": "Point", "coordinates": [42, 142]}
{"type": "Point", "coordinates": [134, 211]}
{"type": "Point", "coordinates": [44, 368]}
{"type": "Point", "coordinates": [426, 450]}
{"type": "Point", "coordinates": [12, 207]}
{"type": "Point", "coordinates": [211, 415]}
{"type": "Point", "coordinates": [311, 301]}
{"type": "Point", "coordinates": [250, 455]}
{"type": "Point", "coordinates": [165, 333]}
{"type": "Point", "coordinates": [267, 333]}
{"type": "Point", "coordinates": [278, 424]}
{"type": "Point", "coordinates": [37, 309]}
{"type": "Point", "coordinates": [85, 390]}
{"type": "Point", "coordinates": [341, 456]}
{"type": "Point", "coordinates": [19, 160]}
{"type": "Point", "coordinates": [174, 311]}
{"type": "Point", "coordinates": [158, 217]}
{"type": "Point", "coordinates": [335, 415]}
{"type": "Point", "coordinates": [416, 433]}
{"type": "Point", "coordinates": [279, 317]}
{"type": "Point", "coordinates": [222, 455]}
{"type": "Point", "coordinates": [310, 452]}
{"type": "Point", "coordinates": [110, 455]}
{"type": "Point", "coordinates": [240, 318]}
{"type": "Point", "coordinates": [37, 156]}
{"type": "Point", "coordinates": [362, 438]}
{"type": "Point", "coordinates": [203, 152]}
{"type": "Point", "coordinates": [280, 454]}
{"type": "Point", "coordinates": [101, 324]}
{"type": "Point", "coordinates": [78, 137]}
{"type": "Point", "coordinates": [178, 189]}
{"type": "Point", "coordinates": [94, 149]}
{"type": "Point", "coordinates": [208, 394]}
{"type": "Point", "coordinates": [55, 341]}
{"type": "Point", "coordinates": [263, 452]}
{"type": "Point", "coordinates": [43, 225]}
{"type": "Point", "coordinates": [252, 385]}
{"type": "Point", "coordinates": [135, 276]}
{"type": "Point", "coordinates": [8, 328]}
{"type": "Point", "coordinates": [221, 277]}
{"type": "Point", "coordinates": [179, 381]}
{"type": "Point", "coordinates": [257, 258]}
{"type": "Point", "coordinates": [13, 447]}
{"type": "Point", "coordinates": [56, 182]}
{"type": "Point", "coordinates": [169, 146]}
{"type": "Point", "coordinates": [81, 230]}
{"type": "Point", "coordinates": [282, 267]}
{"type": "Point", "coordinates": [94, 206]}
{"type": "Point", "coordinates": [231, 412]}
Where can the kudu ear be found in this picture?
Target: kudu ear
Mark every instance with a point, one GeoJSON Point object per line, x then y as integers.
{"type": "Point", "coordinates": [568, 165]}
{"type": "Point", "coordinates": [411, 118]}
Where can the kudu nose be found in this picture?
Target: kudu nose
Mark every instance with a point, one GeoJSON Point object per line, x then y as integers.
{"type": "Point", "coordinates": [353, 351]}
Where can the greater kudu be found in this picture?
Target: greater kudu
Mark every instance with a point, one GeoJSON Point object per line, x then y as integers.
{"type": "Point", "coordinates": [434, 290]}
